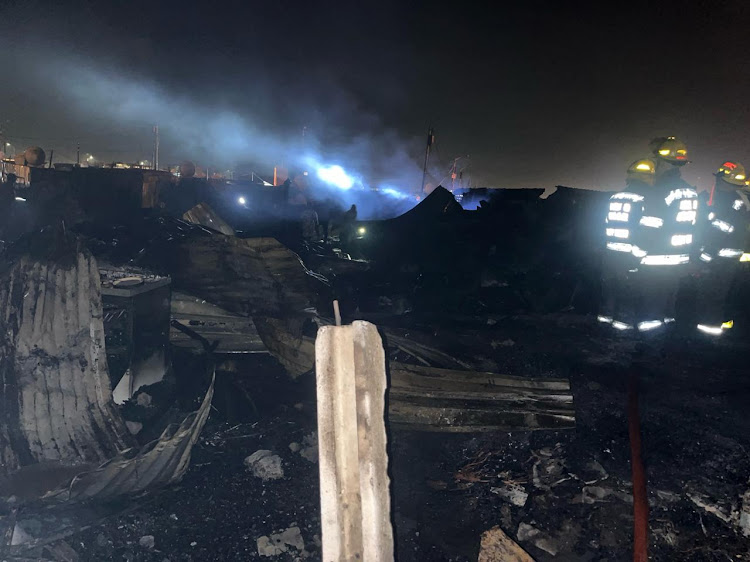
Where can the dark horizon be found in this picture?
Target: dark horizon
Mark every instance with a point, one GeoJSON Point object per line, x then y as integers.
{"type": "Point", "coordinates": [538, 95]}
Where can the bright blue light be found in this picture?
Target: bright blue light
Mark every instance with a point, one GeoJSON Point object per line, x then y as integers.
{"type": "Point", "coordinates": [393, 192]}
{"type": "Point", "coordinates": [335, 175]}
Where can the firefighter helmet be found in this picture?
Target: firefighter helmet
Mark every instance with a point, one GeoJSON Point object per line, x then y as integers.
{"type": "Point", "coordinates": [642, 170]}
{"type": "Point", "coordinates": [732, 172]}
{"type": "Point", "coordinates": [670, 149]}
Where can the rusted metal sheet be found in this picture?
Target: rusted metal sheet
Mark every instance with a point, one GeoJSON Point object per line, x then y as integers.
{"type": "Point", "coordinates": [204, 215]}
{"type": "Point", "coordinates": [251, 276]}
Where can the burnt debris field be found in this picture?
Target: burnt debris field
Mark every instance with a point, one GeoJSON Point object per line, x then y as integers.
{"type": "Point", "coordinates": [159, 384]}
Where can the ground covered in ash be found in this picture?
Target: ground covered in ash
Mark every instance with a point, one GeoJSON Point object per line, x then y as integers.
{"type": "Point", "coordinates": [562, 495]}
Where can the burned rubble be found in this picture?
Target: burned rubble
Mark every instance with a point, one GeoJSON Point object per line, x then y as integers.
{"type": "Point", "coordinates": [159, 397]}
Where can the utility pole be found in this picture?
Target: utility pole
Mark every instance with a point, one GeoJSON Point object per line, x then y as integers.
{"type": "Point", "coordinates": [456, 173]}
{"type": "Point", "coordinates": [430, 141]}
{"type": "Point", "coordinates": [156, 147]}
{"type": "Point", "coordinates": [78, 154]}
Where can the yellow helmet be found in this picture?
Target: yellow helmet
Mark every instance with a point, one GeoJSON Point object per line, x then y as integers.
{"type": "Point", "coordinates": [670, 149]}
{"type": "Point", "coordinates": [732, 172]}
{"type": "Point", "coordinates": [643, 170]}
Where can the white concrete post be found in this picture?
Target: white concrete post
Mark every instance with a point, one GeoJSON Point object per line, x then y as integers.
{"type": "Point", "coordinates": [354, 484]}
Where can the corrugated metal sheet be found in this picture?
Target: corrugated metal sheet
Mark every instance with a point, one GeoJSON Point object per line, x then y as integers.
{"type": "Point", "coordinates": [157, 464]}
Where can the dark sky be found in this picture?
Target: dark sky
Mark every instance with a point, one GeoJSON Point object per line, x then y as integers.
{"type": "Point", "coordinates": [537, 93]}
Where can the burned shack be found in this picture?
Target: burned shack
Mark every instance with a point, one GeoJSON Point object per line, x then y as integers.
{"type": "Point", "coordinates": [161, 391]}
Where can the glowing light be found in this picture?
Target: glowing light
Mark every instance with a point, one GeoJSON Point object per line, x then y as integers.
{"type": "Point", "coordinates": [649, 325]}
{"type": "Point", "coordinates": [664, 152]}
{"type": "Point", "coordinates": [745, 257]}
{"type": "Point", "coordinates": [686, 216]}
{"type": "Point", "coordinates": [393, 192]}
{"type": "Point", "coordinates": [653, 222]}
{"type": "Point", "coordinates": [727, 325]}
{"type": "Point", "coordinates": [21, 199]}
{"type": "Point", "coordinates": [628, 196]}
{"type": "Point", "coordinates": [723, 226]}
{"type": "Point", "coordinates": [619, 217]}
{"type": "Point", "coordinates": [712, 330]}
{"type": "Point", "coordinates": [739, 177]}
{"type": "Point", "coordinates": [643, 167]}
{"type": "Point", "coordinates": [335, 175]}
{"type": "Point", "coordinates": [619, 247]}
{"type": "Point", "coordinates": [688, 205]}
{"type": "Point", "coordinates": [241, 200]}
{"type": "Point", "coordinates": [730, 253]}
{"type": "Point", "coordinates": [705, 257]}
{"type": "Point", "coordinates": [637, 252]}
{"type": "Point", "coordinates": [618, 232]}
{"type": "Point", "coordinates": [621, 325]}
{"type": "Point", "coordinates": [682, 239]}
{"type": "Point", "coordinates": [362, 230]}
{"type": "Point", "coordinates": [737, 205]}
{"type": "Point", "coordinates": [604, 319]}
{"type": "Point", "coordinates": [683, 193]}
{"type": "Point", "coordinates": [669, 259]}
{"type": "Point", "coordinates": [711, 216]}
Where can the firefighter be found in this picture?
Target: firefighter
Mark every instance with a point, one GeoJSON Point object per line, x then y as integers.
{"type": "Point", "coordinates": [620, 264]}
{"type": "Point", "coordinates": [723, 228]}
{"type": "Point", "coordinates": [346, 225]}
{"type": "Point", "coordinates": [654, 221]}
{"type": "Point", "coordinates": [667, 238]}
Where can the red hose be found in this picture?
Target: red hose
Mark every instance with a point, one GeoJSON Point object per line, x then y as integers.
{"type": "Point", "coordinates": [640, 499]}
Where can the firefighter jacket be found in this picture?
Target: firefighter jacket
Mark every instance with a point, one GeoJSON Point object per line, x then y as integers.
{"type": "Point", "coordinates": [667, 230]}
{"type": "Point", "coordinates": [654, 224]}
{"type": "Point", "coordinates": [624, 212]}
{"type": "Point", "coordinates": [723, 225]}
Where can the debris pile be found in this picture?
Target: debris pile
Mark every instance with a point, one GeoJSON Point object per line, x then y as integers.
{"type": "Point", "coordinates": [166, 363]}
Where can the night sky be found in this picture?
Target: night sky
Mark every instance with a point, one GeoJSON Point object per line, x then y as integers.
{"type": "Point", "coordinates": [536, 93]}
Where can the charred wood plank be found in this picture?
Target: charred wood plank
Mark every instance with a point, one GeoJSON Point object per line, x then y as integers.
{"type": "Point", "coordinates": [431, 399]}
{"type": "Point", "coordinates": [463, 420]}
